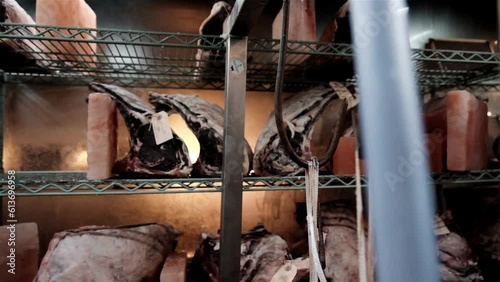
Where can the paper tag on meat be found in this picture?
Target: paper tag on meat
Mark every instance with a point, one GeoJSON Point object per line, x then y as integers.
{"type": "Point", "coordinates": [439, 227]}
{"type": "Point", "coordinates": [161, 127]}
{"type": "Point", "coordinates": [286, 273]}
{"type": "Point", "coordinates": [344, 93]}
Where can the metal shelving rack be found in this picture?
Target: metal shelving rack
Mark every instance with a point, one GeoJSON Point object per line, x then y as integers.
{"type": "Point", "coordinates": [34, 54]}
{"type": "Point", "coordinates": [168, 60]}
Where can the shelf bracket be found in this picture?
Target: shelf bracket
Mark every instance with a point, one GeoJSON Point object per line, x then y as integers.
{"type": "Point", "coordinates": [234, 144]}
{"type": "Point", "coordinates": [243, 17]}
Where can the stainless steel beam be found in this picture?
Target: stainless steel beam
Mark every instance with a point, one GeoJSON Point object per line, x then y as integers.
{"type": "Point", "coordinates": [2, 115]}
{"type": "Point", "coordinates": [244, 16]}
{"type": "Point", "coordinates": [498, 26]}
{"type": "Point", "coordinates": [234, 140]}
{"type": "Point", "coordinates": [401, 200]}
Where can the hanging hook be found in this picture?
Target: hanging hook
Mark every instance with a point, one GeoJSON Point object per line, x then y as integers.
{"type": "Point", "coordinates": [278, 102]}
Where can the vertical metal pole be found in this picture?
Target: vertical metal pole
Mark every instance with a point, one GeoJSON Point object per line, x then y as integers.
{"type": "Point", "coordinates": [401, 198]}
{"type": "Point", "coordinates": [232, 180]}
{"type": "Point", "coordinates": [498, 26]}
{"type": "Point", "coordinates": [2, 113]}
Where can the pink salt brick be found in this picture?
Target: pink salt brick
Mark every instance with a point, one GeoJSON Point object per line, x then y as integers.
{"type": "Point", "coordinates": [435, 115]}
{"type": "Point", "coordinates": [435, 147]}
{"type": "Point", "coordinates": [101, 136]}
{"type": "Point", "coordinates": [26, 252]}
{"type": "Point", "coordinates": [302, 21]}
{"type": "Point", "coordinates": [301, 27]}
{"type": "Point", "coordinates": [174, 269]}
{"type": "Point", "coordinates": [343, 159]}
{"type": "Point", "coordinates": [72, 13]}
{"type": "Point", "coordinates": [467, 126]}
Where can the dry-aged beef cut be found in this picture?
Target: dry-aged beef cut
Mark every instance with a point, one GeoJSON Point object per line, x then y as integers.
{"type": "Point", "coordinates": [338, 219]}
{"type": "Point", "coordinates": [145, 158]}
{"type": "Point", "coordinates": [111, 254]}
{"type": "Point", "coordinates": [206, 120]}
{"type": "Point", "coordinates": [458, 263]}
{"type": "Point", "coordinates": [262, 255]}
{"type": "Point", "coordinates": [485, 236]}
{"type": "Point", "coordinates": [341, 241]}
{"type": "Point", "coordinates": [300, 113]}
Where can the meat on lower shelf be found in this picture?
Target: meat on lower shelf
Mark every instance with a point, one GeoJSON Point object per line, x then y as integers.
{"type": "Point", "coordinates": [458, 263]}
{"type": "Point", "coordinates": [301, 113]}
{"type": "Point", "coordinates": [262, 255]}
{"type": "Point", "coordinates": [101, 253]}
{"type": "Point", "coordinates": [341, 241]}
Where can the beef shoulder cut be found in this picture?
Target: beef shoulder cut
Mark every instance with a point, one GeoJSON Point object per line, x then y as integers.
{"type": "Point", "coordinates": [206, 121]}
{"type": "Point", "coordinates": [111, 254]}
{"type": "Point", "coordinates": [300, 113]}
{"type": "Point", "coordinates": [145, 158]}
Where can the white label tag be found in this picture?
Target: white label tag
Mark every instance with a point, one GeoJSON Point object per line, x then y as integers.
{"type": "Point", "coordinates": [161, 127]}
{"type": "Point", "coordinates": [442, 231]}
{"type": "Point", "coordinates": [286, 273]}
{"type": "Point", "coordinates": [345, 94]}
{"type": "Point", "coordinates": [439, 227]}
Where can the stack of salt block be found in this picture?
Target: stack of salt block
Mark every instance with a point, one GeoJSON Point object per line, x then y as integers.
{"type": "Point", "coordinates": [68, 13]}
{"type": "Point", "coordinates": [462, 121]}
{"type": "Point", "coordinates": [174, 269]}
{"type": "Point", "coordinates": [26, 252]}
{"type": "Point", "coordinates": [102, 137]}
{"type": "Point", "coordinates": [456, 128]}
{"type": "Point", "coordinates": [301, 27]}
{"type": "Point", "coordinates": [344, 161]}
{"type": "Point", "coordinates": [301, 23]}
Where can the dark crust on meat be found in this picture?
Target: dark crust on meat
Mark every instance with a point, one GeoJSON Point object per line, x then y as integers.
{"type": "Point", "coordinates": [145, 159]}
{"type": "Point", "coordinates": [270, 157]}
{"type": "Point", "coordinates": [260, 257]}
{"type": "Point", "coordinates": [206, 121]}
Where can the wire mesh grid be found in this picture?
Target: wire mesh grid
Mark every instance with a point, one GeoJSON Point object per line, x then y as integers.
{"type": "Point", "coordinates": [127, 58]}
{"type": "Point", "coordinates": [65, 55]}
{"type": "Point", "coordinates": [310, 63]}
{"type": "Point", "coordinates": [69, 183]}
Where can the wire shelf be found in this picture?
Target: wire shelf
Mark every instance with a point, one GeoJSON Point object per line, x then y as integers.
{"type": "Point", "coordinates": [75, 56]}
{"type": "Point", "coordinates": [70, 183]}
